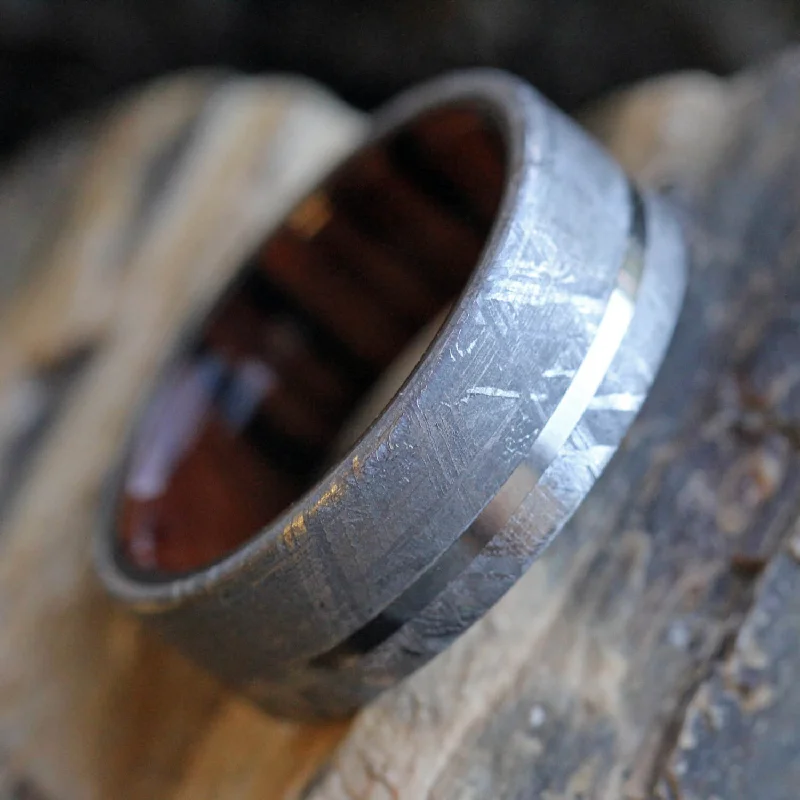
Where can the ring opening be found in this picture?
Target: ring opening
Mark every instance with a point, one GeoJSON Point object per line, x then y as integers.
{"type": "Point", "coordinates": [251, 415]}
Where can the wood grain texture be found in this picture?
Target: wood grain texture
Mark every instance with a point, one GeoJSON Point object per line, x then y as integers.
{"type": "Point", "coordinates": [170, 191]}
{"type": "Point", "coordinates": [649, 654]}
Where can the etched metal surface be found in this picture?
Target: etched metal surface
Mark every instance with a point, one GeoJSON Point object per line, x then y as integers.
{"type": "Point", "coordinates": [478, 461]}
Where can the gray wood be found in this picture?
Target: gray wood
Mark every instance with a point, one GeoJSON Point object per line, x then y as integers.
{"type": "Point", "coordinates": [739, 737]}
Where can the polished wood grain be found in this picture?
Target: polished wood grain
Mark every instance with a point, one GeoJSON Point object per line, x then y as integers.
{"type": "Point", "coordinates": [231, 438]}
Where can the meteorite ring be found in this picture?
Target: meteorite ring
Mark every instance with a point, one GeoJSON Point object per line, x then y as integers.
{"type": "Point", "coordinates": [399, 401]}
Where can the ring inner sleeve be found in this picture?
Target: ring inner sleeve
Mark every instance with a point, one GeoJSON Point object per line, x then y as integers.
{"type": "Point", "coordinates": [326, 308]}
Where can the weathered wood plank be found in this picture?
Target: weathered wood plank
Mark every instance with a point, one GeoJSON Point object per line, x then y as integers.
{"type": "Point", "coordinates": [177, 184]}
{"type": "Point", "coordinates": [739, 737]}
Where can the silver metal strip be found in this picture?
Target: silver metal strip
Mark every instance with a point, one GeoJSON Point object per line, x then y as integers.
{"type": "Point", "coordinates": [429, 584]}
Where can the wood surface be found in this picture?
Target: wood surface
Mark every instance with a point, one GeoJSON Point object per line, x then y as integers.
{"type": "Point", "coordinates": [652, 651]}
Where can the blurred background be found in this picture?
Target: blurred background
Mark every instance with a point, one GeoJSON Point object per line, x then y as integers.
{"type": "Point", "coordinates": [59, 57]}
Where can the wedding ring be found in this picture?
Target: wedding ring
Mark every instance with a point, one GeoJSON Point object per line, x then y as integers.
{"type": "Point", "coordinates": [483, 258]}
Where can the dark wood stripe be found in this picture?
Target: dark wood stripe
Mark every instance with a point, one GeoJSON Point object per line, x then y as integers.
{"type": "Point", "coordinates": [410, 157]}
{"type": "Point", "coordinates": [280, 449]}
{"type": "Point", "coordinates": [339, 303]}
{"type": "Point", "coordinates": [273, 302]}
{"type": "Point", "coordinates": [386, 207]}
{"type": "Point", "coordinates": [397, 287]}
{"type": "Point", "coordinates": [470, 153]}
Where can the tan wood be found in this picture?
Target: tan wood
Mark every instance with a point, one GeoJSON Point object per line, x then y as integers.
{"type": "Point", "coordinates": [114, 232]}
{"type": "Point", "coordinates": [169, 194]}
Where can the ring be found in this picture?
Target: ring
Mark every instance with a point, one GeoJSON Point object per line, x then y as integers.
{"type": "Point", "coordinates": [398, 402]}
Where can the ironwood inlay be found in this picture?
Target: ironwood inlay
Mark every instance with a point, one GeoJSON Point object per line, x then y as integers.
{"type": "Point", "coordinates": [249, 419]}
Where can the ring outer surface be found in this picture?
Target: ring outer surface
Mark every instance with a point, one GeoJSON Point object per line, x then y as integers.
{"type": "Point", "coordinates": [478, 461]}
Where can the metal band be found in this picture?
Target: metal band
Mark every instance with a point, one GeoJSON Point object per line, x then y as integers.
{"type": "Point", "coordinates": [546, 447]}
{"type": "Point", "coordinates": [481, 457]}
